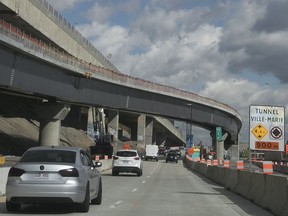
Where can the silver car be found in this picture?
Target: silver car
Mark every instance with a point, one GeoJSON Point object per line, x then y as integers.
{"type": "Point", "coordinates": [54, 175]}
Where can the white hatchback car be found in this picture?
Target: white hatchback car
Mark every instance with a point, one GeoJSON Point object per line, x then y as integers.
{"type": "Point", "coordinates": [128, 161]}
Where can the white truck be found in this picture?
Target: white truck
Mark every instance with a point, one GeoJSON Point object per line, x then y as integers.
{"type": "Point", "coordinates": [151, 152]}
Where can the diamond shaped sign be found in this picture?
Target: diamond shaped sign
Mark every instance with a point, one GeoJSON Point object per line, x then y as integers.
{"type": "Point", "coordinates": [259, 131]}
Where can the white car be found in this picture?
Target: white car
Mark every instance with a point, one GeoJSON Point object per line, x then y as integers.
{"type": "Point", "coordinates": [127, 161]}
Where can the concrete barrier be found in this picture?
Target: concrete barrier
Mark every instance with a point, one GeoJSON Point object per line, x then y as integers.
{"type": "Point", "coordinates": [275, 196]}
{"type": "Point", "coordinates": [220, 175]}
{"type": "Point", "coordinates": [202, 169]}
{"type": "Point", "coordinates": [244, 183]}
{"type": "Point", "coordinates": [211, 172]}
{"type": "Point", "coordinates": [232, 180]}
{"type": "Point", "coordinates": [257, 187]}
{"type": "Point", "coordinates": [268, 191]}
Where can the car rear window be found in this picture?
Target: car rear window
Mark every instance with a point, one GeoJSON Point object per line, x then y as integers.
{"type": "Point", "coordinates": [54, 156]}
{"type": "Point", "coordinates": [126, 154]}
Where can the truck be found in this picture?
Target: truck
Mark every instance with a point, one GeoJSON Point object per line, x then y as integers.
{"type": "Point", "coordinates": [151, 152]}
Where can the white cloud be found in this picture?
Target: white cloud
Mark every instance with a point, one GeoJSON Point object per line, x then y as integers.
{"type": "Point", "coordinates": [201, 49]}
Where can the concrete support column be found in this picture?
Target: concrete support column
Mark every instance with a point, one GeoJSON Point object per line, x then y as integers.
{"type": "Point", "coordinates": [220, 147]}
{"type": "Point", "coordinates": [49, 132]}
{"type": "Point", "coordinates": [149, 131]}
{"type": "Point", "coordinates": [113, 124]}
{"type": "Point", "coordinates": [141, 125]}
{"type": "Point", "coordinates": [220, 150]}
{"type": "Point", "coordinates": [51, 115]}
{"type": "Point", "coordinates": [90, 121]}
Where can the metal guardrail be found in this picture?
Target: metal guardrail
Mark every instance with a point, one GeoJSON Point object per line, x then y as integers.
{"type": "Point", "coordinates": [17, 38]}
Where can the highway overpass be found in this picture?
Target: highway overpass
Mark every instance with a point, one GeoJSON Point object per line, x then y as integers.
{"type": "Point", "coordinates": [56, 63]}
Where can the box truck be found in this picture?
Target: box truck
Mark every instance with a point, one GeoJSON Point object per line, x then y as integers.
{"type": "Point", "coordinates": [151, 152]}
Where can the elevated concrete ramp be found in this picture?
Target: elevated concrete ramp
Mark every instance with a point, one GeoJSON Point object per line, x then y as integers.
{"type": "Point", "coordinates": [170, 127]}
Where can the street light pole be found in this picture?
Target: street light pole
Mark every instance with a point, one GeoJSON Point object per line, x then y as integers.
{"type": "Point", "coordinates": [191, 130]}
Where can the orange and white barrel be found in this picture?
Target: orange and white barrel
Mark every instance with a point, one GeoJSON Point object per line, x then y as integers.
{"type": "Point", "coordinates": [267, 167]}
{"type": "Point", "coordinates": [97, 158]}
{"type": "Point", "coordinates": [240, 165]}
{"type": "Point", "coordinates": [209, 162]}
{"type": "Point", "coordinates": [106, 157]}
{"type": "Point", "coordinates": [215, 162]}
{"type": "Point", "coordinates": [226, 163]}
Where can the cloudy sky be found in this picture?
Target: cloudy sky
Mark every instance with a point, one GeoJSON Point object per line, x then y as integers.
{"type": "Point", "coordinates": [232, 51]}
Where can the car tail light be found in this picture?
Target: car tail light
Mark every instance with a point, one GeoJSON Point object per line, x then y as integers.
{"type": "Point", "coordinates": [115, 157]}
{"type": "Point", "coordinates": [136, 158]}
{"type": "Point", "coordinates": [71, 172]}
{"type": "Point", "coordinates": [15, 172]}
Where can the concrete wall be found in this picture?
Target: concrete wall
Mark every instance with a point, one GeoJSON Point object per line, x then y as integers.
{"type": "Point", "coordinates": [268, 191]}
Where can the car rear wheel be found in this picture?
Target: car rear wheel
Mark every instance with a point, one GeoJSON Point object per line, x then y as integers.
{"type": "Point", "coordinates": [98, 199]}
{"type": "Point", "coordinates": [13, 207]}
{"type": "Point", "coordinates": [84, 207]}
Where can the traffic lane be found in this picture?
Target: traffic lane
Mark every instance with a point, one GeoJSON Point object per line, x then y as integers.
{"type": "Point", "coordinates": [171, 189]}
{"type": "Point", "coordinates": [164, 189]}
{"type": "Point", "coordinates": [120, 189]}
{"type": "Point", "coordinates": [114, 189]}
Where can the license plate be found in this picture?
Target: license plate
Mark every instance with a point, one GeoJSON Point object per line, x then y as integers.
{"type": "Point", "coordinates": [41, 176]}
{"type": "Point", "coordinates": [125, 162]}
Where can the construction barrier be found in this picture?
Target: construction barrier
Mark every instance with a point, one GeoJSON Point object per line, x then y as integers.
{"type": "Point", "coordinates": [209, 162]}
{"type": "Point", "coordinates": [268, 191]}
{"type": "Point", "coordinates": [244, 183]}
{"type": "Point", "coordinates": [240, 165]}
{"type": "Point", "coordinates": [226, 163]}
{"type": "Point", "coordinates": [267, 167]}
{"type": "Point", "coordinates": [215, 162]}
{"type": "Point", "coordinates": [275, 196]}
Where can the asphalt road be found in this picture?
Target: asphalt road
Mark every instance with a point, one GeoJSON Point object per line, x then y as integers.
{"type": "Point", "coordinates": [164, 189]}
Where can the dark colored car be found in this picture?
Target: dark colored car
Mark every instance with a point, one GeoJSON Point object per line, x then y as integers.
{"type": "Point", "coordinates": [172, 156]}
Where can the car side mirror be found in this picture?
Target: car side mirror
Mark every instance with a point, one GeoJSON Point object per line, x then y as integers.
{"type": "Point", "coordinates": [97, 164]}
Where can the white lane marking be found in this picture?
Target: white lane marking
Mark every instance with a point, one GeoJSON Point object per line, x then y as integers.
{"type": "Point", "coordinates": [152, 173]}
{"type": "Point", "coordinates": [148, 176]}
{"type": "Point", "coordinates": [116, 204]}
{"type": "Point", "coordinates": [135, 189]}
{"type": "Point", "coordinates": [143, 182]}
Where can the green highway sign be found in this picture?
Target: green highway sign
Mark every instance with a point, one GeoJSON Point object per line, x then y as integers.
{"type": "Point", "coordinates": [219, 134]}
